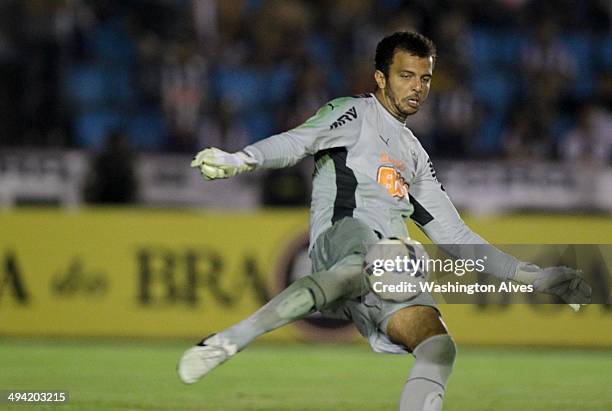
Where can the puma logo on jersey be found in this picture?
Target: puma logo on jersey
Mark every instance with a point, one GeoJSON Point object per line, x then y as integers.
{"type": "Point", "coordinates": [383, 139]}
{"type": "Point", "coordinates": [349, 115]}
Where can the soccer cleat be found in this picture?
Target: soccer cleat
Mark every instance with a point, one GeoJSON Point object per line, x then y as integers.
{"type": "Point", "coordinates": [198, 361]}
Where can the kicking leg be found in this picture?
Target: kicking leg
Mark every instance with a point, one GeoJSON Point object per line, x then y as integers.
{"type": "Point", "coordinates": [420, 329]}
{"type": "Point", "coordinates": [303, 297]}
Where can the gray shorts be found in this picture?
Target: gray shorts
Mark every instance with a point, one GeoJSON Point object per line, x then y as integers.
{"type": "Point", "coordinates": [343, 244]}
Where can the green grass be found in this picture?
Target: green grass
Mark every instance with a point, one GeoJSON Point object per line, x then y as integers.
{"type": "Point", "coordinates": [141, 375]}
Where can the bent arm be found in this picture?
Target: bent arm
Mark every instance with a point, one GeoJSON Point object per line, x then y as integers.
{"type": "Point", "coordinates": [437, 217]}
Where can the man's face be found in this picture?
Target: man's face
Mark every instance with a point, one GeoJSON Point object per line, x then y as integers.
{"type": "Point", "coordinates": [406, 87]}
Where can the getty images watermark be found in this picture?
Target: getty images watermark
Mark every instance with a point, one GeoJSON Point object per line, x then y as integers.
{"type": "Point", "coordinates": [457, 274]}
{"type": "Point", "coordinates": [417, 267]}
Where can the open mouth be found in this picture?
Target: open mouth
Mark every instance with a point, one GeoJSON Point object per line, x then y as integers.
{"type": "Point", "coordinates": [413, 102]}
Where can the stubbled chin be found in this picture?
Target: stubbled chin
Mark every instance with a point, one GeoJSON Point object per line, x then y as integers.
{"type": "Point", "coordinates": [410, 110]}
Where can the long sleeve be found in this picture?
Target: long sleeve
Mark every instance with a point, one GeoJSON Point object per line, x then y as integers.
{"type": "Point", "coordinates": [336, 124]}
{"type": "Point", "coordinates": [437, 217]}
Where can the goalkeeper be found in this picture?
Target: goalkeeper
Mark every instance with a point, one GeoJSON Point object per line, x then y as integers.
{"type": "Point", "coordinates": [371, 174]}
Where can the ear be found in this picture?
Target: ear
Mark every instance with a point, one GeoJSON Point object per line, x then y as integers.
{"type": "Point", "coordinates": [380, 78]}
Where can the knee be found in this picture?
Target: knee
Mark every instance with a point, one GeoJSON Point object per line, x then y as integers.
{"type": "Point", "coordinates": [340, 282]}
{"type": "Point", "coordinates": [322, 288]}
{"type": "Point", "coordinates": [413, 325]}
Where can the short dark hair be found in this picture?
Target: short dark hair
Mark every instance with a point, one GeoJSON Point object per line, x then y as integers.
{"type": "Point", "coordinates": [412, 42]}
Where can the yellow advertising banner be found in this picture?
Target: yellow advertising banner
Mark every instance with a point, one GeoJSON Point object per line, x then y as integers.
{"type": "Point", "coordinates": [153, 273]}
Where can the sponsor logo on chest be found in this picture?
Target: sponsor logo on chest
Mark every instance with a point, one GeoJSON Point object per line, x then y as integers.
{"type": "Point", "coordinates": [390, 174]}
{"type": "Point", "coordinates": [349, 115]}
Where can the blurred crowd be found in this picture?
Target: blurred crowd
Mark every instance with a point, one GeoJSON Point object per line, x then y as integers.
{"type": "Point", "coordinates": [524, 79]}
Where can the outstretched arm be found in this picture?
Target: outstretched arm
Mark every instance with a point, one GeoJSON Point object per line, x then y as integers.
{"type": "Point", "coordinates": [336, 124]}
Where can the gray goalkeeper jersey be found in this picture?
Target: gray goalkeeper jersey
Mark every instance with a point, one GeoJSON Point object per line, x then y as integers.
{"type": "Point", "coordinates": [370, 166]}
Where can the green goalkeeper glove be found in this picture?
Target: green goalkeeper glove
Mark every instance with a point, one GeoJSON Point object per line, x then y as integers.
{"type": "Point", "coordinates": [214, 163]}
{"type": "Point", "coordinates": [564, 282]}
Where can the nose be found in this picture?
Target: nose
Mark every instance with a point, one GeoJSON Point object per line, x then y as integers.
{"type": "Point", "coordinates": [417, 86]}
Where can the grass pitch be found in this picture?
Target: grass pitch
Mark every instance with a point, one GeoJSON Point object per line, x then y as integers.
{"type": "Point", "coordinates": [141, 375]}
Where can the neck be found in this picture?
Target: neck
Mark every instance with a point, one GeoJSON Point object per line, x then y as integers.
{"type": "Point", "coordinates": [386, 103]}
